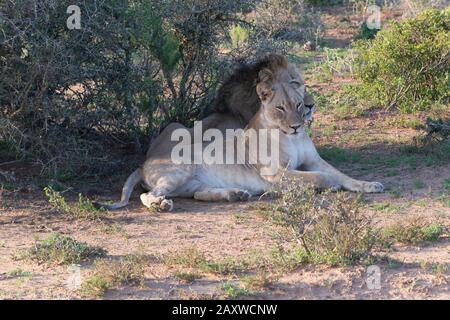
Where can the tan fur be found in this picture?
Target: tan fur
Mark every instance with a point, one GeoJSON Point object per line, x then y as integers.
{"type": "Point", "coordinates": [282, 108]}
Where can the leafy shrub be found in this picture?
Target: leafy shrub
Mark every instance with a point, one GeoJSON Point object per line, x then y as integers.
{"type": "Point", "coordinates": [289, 20]}
{"type": "Point", "coordinates": [407, 65]}
{"type": "Point", "coordinates": [330, 228]}
{"type": "Point", "coordinates": [67, 96]}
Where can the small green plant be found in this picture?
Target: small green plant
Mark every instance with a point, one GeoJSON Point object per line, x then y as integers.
{"type": "Point", "coordinates": [60, 249]}
{"type": "Point", "coordinates": [446, 185]}
{"type": "Point", "coordinates": [109, 274]}
{"type": "Point", "coordinates": [84, 209]}
{"type": "Point", "coordinates": [257, 282]}
{"type": "Point", "coordinates": [414, 231]}
{"type": "Point", "coordinates": [19, 273]}
{"type": "Point", "coordinates": [287, 259]}
{"type": "Point", "coordinates": [391, 173]}
{"type": "Point", "coordinates": [440, 270]}
{"type": "Point", "coordinates": [233, 291]}
{"type": "Point", "coordinates": [187, 277]}
{"type": "Point", "coordinates": [239, 35]}
{"type": "Point", "coordinates": [330, 228]}
{"type": "Point", "coordinates": [386, 207]}
{"type": "Point", "coordinates": [193, 258]}
{"type": "Point", "coordinates": [445, 193]}
{"type": "Point", "coordinates": [56, 200]}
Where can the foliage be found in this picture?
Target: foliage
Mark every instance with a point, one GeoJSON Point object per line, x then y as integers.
{"type": "Point", "coordinates": [330, 228]}
{"type": "Point", "coordinates": [60, 249]}
{"type": "Point", "coordinates": [239, 35]}
{"type": "Point", "coordinates": [407, 65]}
{"type": "Point", "coordinates": [133, 67]}
{"type": "Point", "coordinates": [84, 208]}
{"type": "Point", "coordinates": [437, 129]}
{"type": "Point", "coordinates": [414, 231]}
{"type": "Point", "coordinates": [366, 33]}
{"type": "Point", "coordinates": [109, 274]}
{"type": "Point", "coordinates": [194, 259]}
{"type": "Point", "coordinates": [288, 20]}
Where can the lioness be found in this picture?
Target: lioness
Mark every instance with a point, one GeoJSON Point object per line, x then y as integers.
{"type": "Point", "coordinates": [282, 109]}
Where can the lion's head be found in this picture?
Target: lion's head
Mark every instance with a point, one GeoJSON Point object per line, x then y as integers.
{"type": "Point", "coordinates": [282, 102]}
{"type": "Point", "coordinates": [238, 95]}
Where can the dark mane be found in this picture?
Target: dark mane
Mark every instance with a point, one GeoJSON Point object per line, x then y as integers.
{"type": "Point", "coordinates": [237, 95]}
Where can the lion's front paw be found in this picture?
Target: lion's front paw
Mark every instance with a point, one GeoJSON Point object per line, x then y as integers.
{"type": "Point", "coordinates": [238, 195]}
{"type": "Point", "coordinates": [244, 195]}
{"type": "Point", "coordinates": [336, 188]}
{"type": "Point", "coordinates": [166, 205]}
{"type": "Point", "coordinates": [373, 187]}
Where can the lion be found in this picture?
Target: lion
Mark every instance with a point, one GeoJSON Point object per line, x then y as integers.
{"type": "Point", "coordinates": [236, 101]}
{"type": "Point", "coordinates": [282, 110]}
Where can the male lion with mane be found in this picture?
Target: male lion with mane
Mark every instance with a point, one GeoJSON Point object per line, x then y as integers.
{"type": "Point", "coordinates": [282, 98]}
{"type": "Point", "coordinates": [237, 101]}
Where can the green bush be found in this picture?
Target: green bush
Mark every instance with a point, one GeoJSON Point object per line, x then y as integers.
{"type": "Point", "coordinates": [407, 65]}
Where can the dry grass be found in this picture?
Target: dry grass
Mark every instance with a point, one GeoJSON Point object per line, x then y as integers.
{"type": "Point", "coordinates": [109, 274]}
{"type": "Point", "coordinates": [415, 230]}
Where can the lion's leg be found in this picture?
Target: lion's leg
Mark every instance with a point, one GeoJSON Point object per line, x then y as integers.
{"type": "Point", "coordinates": [220, 194]}
{"type": "Point", "coordinates": [339, 178]}
{"type": "Point", "coordinates": [315, 179]}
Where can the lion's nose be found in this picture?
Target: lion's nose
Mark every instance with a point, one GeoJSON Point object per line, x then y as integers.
{"type": "Point", "coordinates": [295, 127]}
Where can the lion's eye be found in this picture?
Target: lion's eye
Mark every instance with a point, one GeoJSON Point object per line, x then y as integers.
{"type": "Point", "coordinates": [281, 108]}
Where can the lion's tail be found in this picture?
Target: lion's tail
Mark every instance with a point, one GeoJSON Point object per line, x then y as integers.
{"type": "Point", "coordinates": [128, 187]}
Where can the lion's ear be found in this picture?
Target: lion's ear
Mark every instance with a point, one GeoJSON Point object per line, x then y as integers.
{"type": "Point", "coordinates": [264, 87]}
{"type": "Point", "coordinates": [265, 75]}
{"type": "Point", "coordinates": [264, 90]}
{"type": "Point", "coordinates": [310, 107]}
{"type": "Point", "coordinates": [309, 99]}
